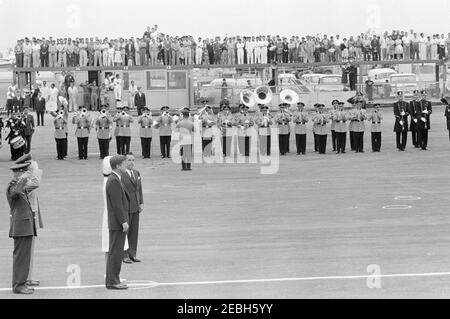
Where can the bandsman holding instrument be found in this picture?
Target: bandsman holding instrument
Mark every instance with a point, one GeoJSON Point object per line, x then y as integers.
{"type": "Point", "coordinates": [334, 105]}
{"type": "Point", "coordinates": [413, 125]}
{"type": "Point", "coordinates": [314, 130]}
{"type": "Point", "coordinates": [209, 120]}
{"type": "Point", "coordinates": [358, 117]}
{"type": "Point", "coordinates": [300, 119]}
{"type": "Point", "coordinates": [321, 120]}
{"type": "Point", "coordinates": [60, 123]}
{"type": "Point", "coordinates": [423, 111]}
{"type": "Point", "coordinates": [282, 119]}
{"type": "Point", "coordinates": [226, 121]}
{"type": "Point", "coordinates": [145, 122]}
{"type": "Point", "coordinates": [376, 117]}
{"type": "Point", "coordinates": [340, 117]}
{"type": "Point", "coordinates": [446, 101]}
{"type": "Point", "coordinates": [15, 137]}
{"type": "Point", "coordinates": [264, 121]}
{"type": "Point", "coordinates": [244, 121]}
{"type": "Point", "coordinates": [83, 122]}
{"type": "Point", "coordinates": [164, 124]}
{"type": "Point", "coordinates": [186, 128]}
{"type": "Point", "coordinates": [401, 121]}
{"type": "Point", "coordinates": [103, 125]}
{"type": "Point", "coordinates": [123, 131]}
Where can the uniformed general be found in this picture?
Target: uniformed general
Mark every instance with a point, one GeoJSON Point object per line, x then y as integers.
{"type": "Point", "coordinates": [340, 117]}
{"type": "Point", "coordinates": [300, 119]}
{"type": "Point", "coordinates": [321, 120]}
{"type": "Point", "coordinates": [423, 111]}
{"type": "Point", "coordinates": [226, 122]}
{"type": "Point", "coordinates": [83, 124]}
{"type": "Point", "coordinates": [164, 124]}
{"type": "Point", "coordinates": [209, 121]}
{"type": "Point", "coordinates": [401, 121]}
{"type": "Point", "coordinates": [122, 131]}
{"type": "Point", "coordinates": [375, 118]}
{"type": "Point", "coordinates": [358, 116]}
{"type": "Point", "coordinates": [413, 125]}
{"type": "Point", "coordinates": [145, 122]}
{"type": "Point", "coordinates": [264, 120]}
{"type": "Point", "coordinates": [244, 121]}
{"type": "Point", "coordinates": [334, 105]}
{"type": "Point", "coordinates": [103, 125]}
{"type": "Point", "coordinates": [186, 128]}
{"type": "Point", "coordinates": [282, 119]}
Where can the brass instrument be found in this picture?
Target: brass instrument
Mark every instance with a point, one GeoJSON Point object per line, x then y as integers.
{"type": "Point", "coordinates": [263, 95]}
{"type": "Point", "coordinates": [248, 98]}
{"type": "Point", "coordinates": [289, 96]}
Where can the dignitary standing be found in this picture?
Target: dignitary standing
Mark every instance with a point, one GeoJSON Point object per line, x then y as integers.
{"type": "Point", "coordinates": [117, 205]}
{"type": "Point", "coordinates": [283, 119]}
{"type": "Point", "coordinates": [401, 122]}
{"type": "Point", "coordinates": [22, 228]}
{"type": "Point", "coordinates": [186, 128]}
{"type": "Point", "coordinates": [103, 126]}
{"type": "Point", "coordinates": [83, 122]}
{"type": "Point", "coordinates": [145, 122]}
{"type": "Point", "coordinates": [164, 124]}
{"type": "Point", "coordinates": [123, 131]}
{"type": "Point", "coordinates": [131, 180]}
{"type": "Point", "coordinates": [139, 100]}
{"type": "Point", "coordinates": [422, 112]}
{"type": "Point", "coordinates": [375, 117]}
{"type": "Point", "coordinates": [340, 118]}
{"type": "Point", "coordinates": [39, 106]}
{"type": "Point", "coordinates": [300, 119]}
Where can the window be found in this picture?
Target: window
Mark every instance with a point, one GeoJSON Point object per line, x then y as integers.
{"type": "Point", "coordinates": [177, 80]}
{"type": "Point", "coordinates": [156, 80]}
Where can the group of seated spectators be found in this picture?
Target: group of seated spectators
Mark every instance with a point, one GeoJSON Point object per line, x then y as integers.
{"type": "Point", "coordinates": [157, 48]}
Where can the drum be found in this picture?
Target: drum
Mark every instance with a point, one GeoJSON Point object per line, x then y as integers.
{"type": "Point", "coordinates": [17, 142]}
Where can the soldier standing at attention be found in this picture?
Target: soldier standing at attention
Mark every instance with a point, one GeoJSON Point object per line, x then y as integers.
{"type": "Point", "coordinates": [283, 119]}
{"type": "Point", "coordinates": [423, 111]}
{"type": "Point", "coordinates": [413, 126]}
{"type": "Point", "coordinates": [447, 113]}
{"type": "Point", "coordinates": [321, 120]}
{"type": "Point", "coordinates": [300, 119]}
{"type": "Point", "coordinates": [401, 121]}
{"type": "Point", "coordinates": [264, 121]}
{"type": "Point", "coordinates": [375, 117]}
{"type": "Point", "coordinates": [145, 122]}
{"type": "Point", "coordinates": [334, 104]}
{"type": "Point", "coordinates": [164, 123]}
{"type": "Point", "coordinates": [103, 126]}
{"type": "Point", "coordinates": [358, 118]}
{"type": "Point", "coordinates": [83, 122]}
{"type": "Point", "coordinates": [340, 117]}
{"type": "Point", "coordinates": [123, 131]}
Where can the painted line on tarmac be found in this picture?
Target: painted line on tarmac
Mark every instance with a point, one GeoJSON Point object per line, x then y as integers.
{"type": "Point", "coordinates": [397, 207]}
{"type": "Point", "coordinates": [152, 284]}
{"type": "Point", "coordinates": [408, 198]}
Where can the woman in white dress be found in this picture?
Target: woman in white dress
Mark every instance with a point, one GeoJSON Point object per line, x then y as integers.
{"type": "Point", "coordinates": [422, 47]}
{"type": "Point", "coordinates": [117, 54]}
{"type": "Point", "coordinates": [52, 104]}
{"type": "Point", "coordinates": [105, 230]}
{"type": "Point", "coordinates": [111, 52]}
{"type": "Point", "coordinates": [398, 49]}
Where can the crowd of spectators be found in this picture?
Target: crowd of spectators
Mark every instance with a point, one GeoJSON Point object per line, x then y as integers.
{"type": "Point", "coordinates": [157, 48]}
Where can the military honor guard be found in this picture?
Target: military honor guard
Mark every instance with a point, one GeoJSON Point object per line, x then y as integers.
{"type": "Point", "coordinates": [22, 227]}
{"type": "Point", "coordinates": [122, 131]}
{"type": "Point", "coordinates": [83, 123]}
{"type": "Point", "coordinates": [282, 119]}
{"type": "Point", "coordinates": [60, 124]}
{"type": "Point", "coordinates": [340, 117]}
{"type": "Point", "coordinates": [244, 121]}
{"type": "Point", "coordinates": [186, 128]}
{"type": "Point", "coordinates": [376, 117]}
{"type": "Point", "coordinates": [321, 120]}
{"type": "Point", "coordinates": [103, 126]}
{"type": "Point", "coordinates": [358, 117]}
{"type": "Point", "coordinates": [446, 102]}
{"type": "Point", "coordinates": [413, 125]}
{"type": "Point", "coordinates": [145, 122]}
{"type": "Point", "coordinates": [209, 121]}
{"type": "Point", "coordinates": [401, 121]}
{"type": "Point", "coordinates": [334, 105]}
{"type": "Point", "coordinates": [300, 119]}
{"type": "Point", "coordinates": [226, 121]}
{"type": "Point", "coordinates": [422, 112]}
{"type": "Point", "coordinates": [264, 121]}
{"type": "Point", "coordinates": [164, 124]}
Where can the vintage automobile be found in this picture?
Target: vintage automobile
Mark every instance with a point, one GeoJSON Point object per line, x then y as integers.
{"type": "Point", "coordinates": [405, 82]}
{"type": "Point", "coordinates": [379, 76]}
{"type": "Point", "coordinates": [328, 83]}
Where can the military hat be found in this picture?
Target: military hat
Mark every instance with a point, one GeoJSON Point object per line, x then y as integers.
{"type": "Point", "coordinates": [208, 107]}
{"type": "Point", "coordinates": [264, 107]}
{"type": "Point", "coordinates": [400, 93]}
{"type": "Point", "coordinates": [20, 167]}
{"type": "Point", "coordinates": [445, 100]}
{"type": "Point", "coordinates": [335, 101]}
{"type": "Point", "coordinates": [283, 105]}
{"type": "Point", "coordinates": [318, 105]}
{"type": "Point", "coordinates": [165, 108]}
{"type": "Point", "coordinates": [185, 110]}
{"type": "Point", "coordinates": [243, 106]}
{"type": "Point", "coordinates": [341, 103]}
{"type": "Point", "coordinates": [416, 91]}
{"type": "Point", "coordinates": [225, 106]}
{"type": "Point", "coordinates": [423, 92]}
{"type": "Point", "coordinates": [377, 105]}
{"type": "Point", "coordinates": [300, 104]}
{"type": "Point", "coordinates": [23, 159]}
{"type": "Point", "coordinates": [146, 108]}
{"type": "Point", "coordinates": [125, 108]}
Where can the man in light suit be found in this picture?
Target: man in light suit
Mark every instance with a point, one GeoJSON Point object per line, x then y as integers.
{"type": "Point", "coordinates": [131, 180]}
{"type": "Point", "coordinates": [117, 205]}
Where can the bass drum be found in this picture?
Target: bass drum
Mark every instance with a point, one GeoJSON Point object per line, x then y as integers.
{"type": "Point", "coordinates": [17, 142]}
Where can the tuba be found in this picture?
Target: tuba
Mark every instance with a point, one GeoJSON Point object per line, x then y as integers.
{"type": "Point", "coordinates": [248, 98]}
{"type": "Point", "coordinates": [289, 96]}
{"type": "Point", "coordinates": [263, 95]}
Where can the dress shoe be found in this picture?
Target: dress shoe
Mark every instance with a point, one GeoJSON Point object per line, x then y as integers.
{"type": "Point", "coordinates": [117, 287]}
{"type": "Point", "coordinates": [127, 261]}
{"type": "Point", "coordinates": [32, 283]}
{"type": "Point", "coordinates": [25, 291]}
{"type": "Point", "coordinates": [135, 260]}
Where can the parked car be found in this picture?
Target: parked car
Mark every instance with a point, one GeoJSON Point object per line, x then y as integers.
{"type": "Point", "coordinates": [406, 82]}
{"type": "Point", "coordinates": [379, 76]}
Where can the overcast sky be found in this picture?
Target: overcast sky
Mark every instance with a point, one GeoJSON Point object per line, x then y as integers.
{"type": "Point", "coordinates": [126, 18]}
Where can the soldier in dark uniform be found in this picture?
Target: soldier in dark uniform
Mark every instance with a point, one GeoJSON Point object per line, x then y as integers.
{"type": "Point", "coordinates": [446, 101]}
{"type": "Point", "coordinates": [401, 121]}
{"type": "Point", "coordinates": [103, 125]}
{"type": "Point", "coordinates": [145, 122]}
{"type": "Point", "coordinates": [186, 128]}
{"type": "Point", "coordinates": [423, 111]}
{"type": "Point", "coordinates": [83, 122]}
{"type": "Point", "coordinates": [413, 126]}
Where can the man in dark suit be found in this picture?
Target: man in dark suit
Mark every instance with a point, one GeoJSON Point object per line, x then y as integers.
{"type": "Point", "coordinates": [39, 106]}
{"type": "Point", "coordinates": [29, 129]}
{"type": "Point", "coordinates": [131, 180]}
{"type": "Point", "coordinates": [401, 121]}
{"type": "Point", "coordinates": [117, 205]}
{"type": "Point", "coordinates": [130, 52]}
{"type": "Point", "coordinates": [139, 101]}
{"type": "Point", "coordinates": [22, 228]}
{"type": "Point", "coordinates": [423, 112]}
